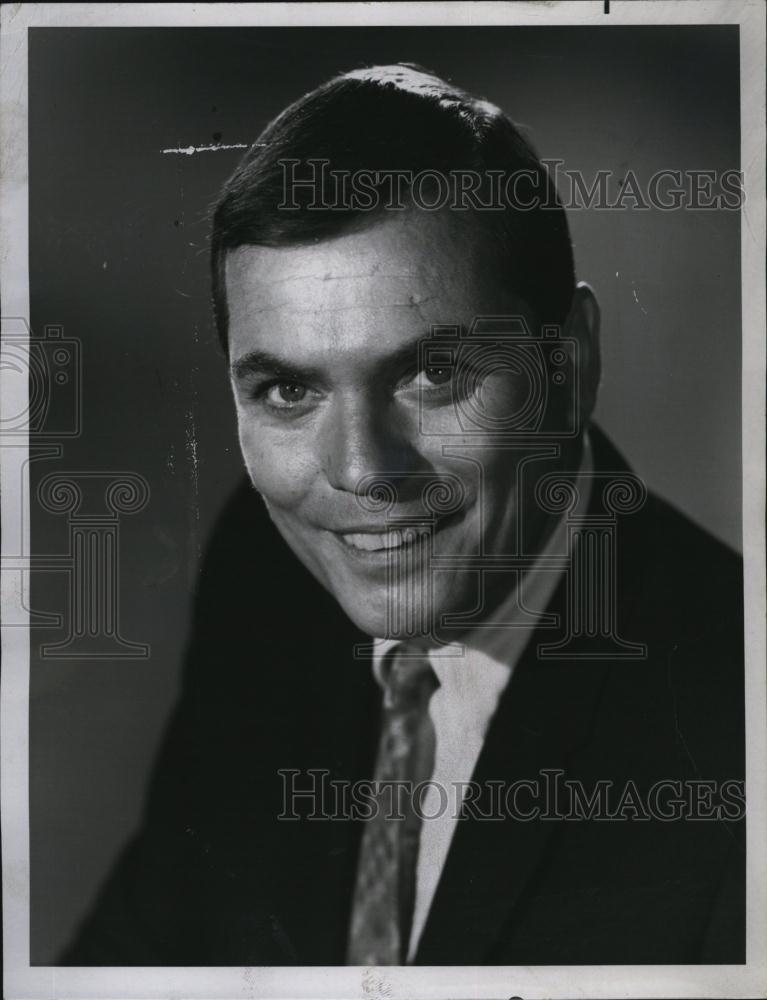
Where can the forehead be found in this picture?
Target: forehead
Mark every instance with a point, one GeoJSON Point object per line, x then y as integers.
{"type": "Point", "coordinates": [370, 287]}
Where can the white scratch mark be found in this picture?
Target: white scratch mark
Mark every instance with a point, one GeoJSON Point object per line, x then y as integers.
{"type": "Point", "coordinates": [194, 500]}
{"type": "Point", "coordinates": [104, 266]}
{"type": "Point", "coordinates": [636, 299]}
{"type": "Point", "coordinates": [191, 448]}
{"type": "Point", "coordinates": [191, 150]}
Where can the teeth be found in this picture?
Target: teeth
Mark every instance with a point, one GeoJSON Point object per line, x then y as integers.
{"type": "Point", "coordinates": [374, 542]}
{"type": "Point", "coordinates": [371, 542]}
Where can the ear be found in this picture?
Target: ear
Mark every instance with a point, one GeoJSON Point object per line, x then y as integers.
{"type": "Point", "coordinates": [582, 325]}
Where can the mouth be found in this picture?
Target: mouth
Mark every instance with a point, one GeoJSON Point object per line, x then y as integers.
{"type": "Point", "coordinates": [393, 538]}
{"type": "Point", "coordinates": [395, 541]}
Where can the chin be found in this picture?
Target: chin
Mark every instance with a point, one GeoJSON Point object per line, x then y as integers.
{"type": "Point", "coordinates": [370, 618]}
{"type": "Point", "coordinates": [381, 619]}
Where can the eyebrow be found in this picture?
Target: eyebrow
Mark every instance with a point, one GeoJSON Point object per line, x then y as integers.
{"type": "Point", "coordinates": [264, 363]}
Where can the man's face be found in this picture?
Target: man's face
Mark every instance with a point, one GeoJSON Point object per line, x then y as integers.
{"type": "Point", "coordinates": [330, 397]}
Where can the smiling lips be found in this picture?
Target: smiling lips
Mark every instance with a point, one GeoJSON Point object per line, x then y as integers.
{"type": "Point", "coordinates": [370, 541]}
{"type": "Point", "coordinates": [396, 536]}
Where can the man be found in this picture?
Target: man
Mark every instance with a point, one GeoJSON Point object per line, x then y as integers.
{"type": "Point", "coordinates": [439, 578]}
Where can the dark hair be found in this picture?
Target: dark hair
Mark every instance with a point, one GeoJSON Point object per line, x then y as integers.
{"type": "Point", "coordinates": [386, 118]}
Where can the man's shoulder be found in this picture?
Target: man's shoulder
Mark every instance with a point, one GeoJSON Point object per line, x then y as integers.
{"type": "Point", "coordinates": [683, 551]}
{"type": "Point", "coordinates": [675, 572]}
{"type": "Point", "coordinates": [679, 597]}
{"type": "Point", "coordinates": [255, 599]}
{"type": "Point", "coordinates": [245, 555]}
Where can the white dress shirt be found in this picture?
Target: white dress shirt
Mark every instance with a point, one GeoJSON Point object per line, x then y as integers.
{"type": "Point", "coordinates": [471, 682]}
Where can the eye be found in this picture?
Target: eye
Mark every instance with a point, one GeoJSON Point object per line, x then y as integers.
{"type": "Point", "coordinates": [285, 395]}
{"type": "Point", "coordinates": [433, 377]}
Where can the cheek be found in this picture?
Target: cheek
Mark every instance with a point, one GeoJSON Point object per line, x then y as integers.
{"type": "Point", "coordinates": [280, 464]}
{"type": "Point", "coordinates": [500, 478]}
{"type": "Point", "coordinates": [502, 401]}
{"type": "Point", "coordinates": [492, 473]}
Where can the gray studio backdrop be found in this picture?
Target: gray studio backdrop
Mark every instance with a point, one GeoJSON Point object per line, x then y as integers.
{"type": "Point", "coordinates": [118, 263]}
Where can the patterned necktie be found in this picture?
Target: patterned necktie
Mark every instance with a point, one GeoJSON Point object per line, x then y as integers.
{"type": "Point", "coordinates": [384, 893]}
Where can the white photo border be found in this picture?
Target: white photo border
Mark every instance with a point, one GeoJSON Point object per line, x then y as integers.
{"type": "Point", "coordinates": [409, 983]}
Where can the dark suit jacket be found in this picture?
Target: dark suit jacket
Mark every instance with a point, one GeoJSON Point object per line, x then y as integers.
{"type": "Point", "coordinates": [213, 878]}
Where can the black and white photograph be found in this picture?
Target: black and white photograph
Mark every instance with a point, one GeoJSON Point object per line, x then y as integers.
{"type": "Point", "coordinates": [383, 495]}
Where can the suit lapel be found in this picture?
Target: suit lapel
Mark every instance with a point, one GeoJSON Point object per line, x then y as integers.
{"type": "Point", "coordinates": [543, 716]}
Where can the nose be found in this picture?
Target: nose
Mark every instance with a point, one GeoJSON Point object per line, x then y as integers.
{"type": "Point", "coordinates": [362, 437]}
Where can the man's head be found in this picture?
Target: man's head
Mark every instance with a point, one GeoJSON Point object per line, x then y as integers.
{"type": "Point", "coordinates": [322, 312]}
